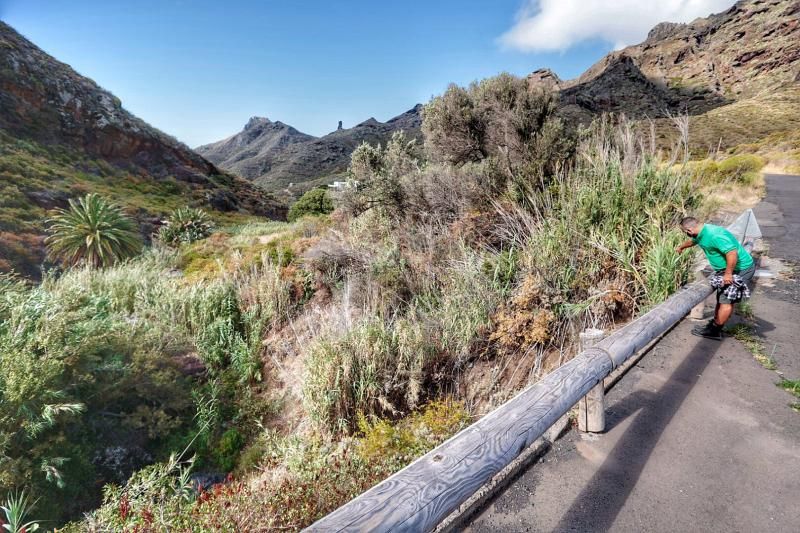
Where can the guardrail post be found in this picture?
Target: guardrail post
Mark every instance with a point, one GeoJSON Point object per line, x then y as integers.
{"type": "Point", "coordinates": [592, 407]}
{"type": "Point", "coordinates": [698, 312]}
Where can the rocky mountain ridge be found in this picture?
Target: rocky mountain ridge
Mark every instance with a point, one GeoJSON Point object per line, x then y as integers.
{"type": "Point", "coordinates": [280, 158]}
{"type": "Point", "coordinates": [742, 52]}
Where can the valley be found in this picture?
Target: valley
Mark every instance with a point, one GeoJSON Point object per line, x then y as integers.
{"type": "Point", "coordinates": [226, 342]}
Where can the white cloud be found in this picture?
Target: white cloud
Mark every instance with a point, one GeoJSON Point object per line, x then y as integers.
{"type": "Point", "coordinates": [548, 25]}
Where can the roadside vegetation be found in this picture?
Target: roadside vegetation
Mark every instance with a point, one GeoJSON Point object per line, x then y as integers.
{"type": "Point", "coordinates": [793, 388]}
{"type": "Point", "coordinates": [731, 183]}
{"type": "Point", "coordinates": [747, 335]}
{"type": "Point", "coordinates": [728, 147]}
{"type": "Point", "coordinates": [305, 361]}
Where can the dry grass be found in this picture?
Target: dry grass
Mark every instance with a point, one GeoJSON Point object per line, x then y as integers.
{"type": "Point", "coordinates": [744, 122]}
{"type": "Point", "coordinates": [747, 336]}
{"type": "Point", "coordinates": [733, 197]}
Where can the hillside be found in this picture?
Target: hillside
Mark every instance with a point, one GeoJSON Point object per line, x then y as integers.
{"type": "Point", "coordinates": [253, 151]}
{"type": "Point", "coordinates": [279, 158]}
{"type": "Point", "coordinates": [752, 47]}
{"type": "Point", "coordinates": [749, 53]}
{"type": "Point", "coordinates": [63, 135]}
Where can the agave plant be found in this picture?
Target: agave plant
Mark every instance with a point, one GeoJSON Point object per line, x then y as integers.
{"type": "Point", "coordinates": [185, 225]}
{"type": "Point", "coordinates": [92, 231]}
{"type": "Point", "coordinates": [15, 511]}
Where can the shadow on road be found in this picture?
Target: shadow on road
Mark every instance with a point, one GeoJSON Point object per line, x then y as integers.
{"type": "Point", "coordinates": [605, 494]}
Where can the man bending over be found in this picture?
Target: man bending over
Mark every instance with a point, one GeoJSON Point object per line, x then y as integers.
{"type": "Point", "coordinates": [733, 268]}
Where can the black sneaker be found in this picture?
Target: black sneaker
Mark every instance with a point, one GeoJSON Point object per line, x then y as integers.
{"type": "Point", "coordinates": [709, 331]}
{"type": "Point", "coordinates": [708, 323]}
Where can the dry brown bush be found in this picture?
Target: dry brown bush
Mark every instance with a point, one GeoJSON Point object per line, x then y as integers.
{"type": "Point", "coordinates": [526, 319]}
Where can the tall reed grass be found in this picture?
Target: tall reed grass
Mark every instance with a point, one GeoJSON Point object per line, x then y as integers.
{"type": "Point", "coordinates": [89, 346]}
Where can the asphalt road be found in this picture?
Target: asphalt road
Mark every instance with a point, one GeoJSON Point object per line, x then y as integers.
{"type": "Point", "coordinates": [698, 438]}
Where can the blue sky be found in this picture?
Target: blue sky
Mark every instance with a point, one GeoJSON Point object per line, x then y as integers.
{"type": "Point", "coordinates": [198, 69]}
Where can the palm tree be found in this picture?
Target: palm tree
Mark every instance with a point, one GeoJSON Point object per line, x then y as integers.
{"type": "Point", "coordinates": [92, 231]}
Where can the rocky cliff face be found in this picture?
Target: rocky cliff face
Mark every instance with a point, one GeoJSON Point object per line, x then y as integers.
{"type": "Point", "coordinates": [752, 47]}
{"type": "Point", "coordinates": [749, 49]}
{"type": "Point", "coordinates": [46, 101]}
{"type": "Point", "coordinates": [280, 158]}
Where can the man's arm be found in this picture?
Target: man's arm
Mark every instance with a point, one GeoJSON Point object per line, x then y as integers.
{"type": "Point", "coordinates": [731, 258]}
{"type": "Point", "coordinates": [684, 245]}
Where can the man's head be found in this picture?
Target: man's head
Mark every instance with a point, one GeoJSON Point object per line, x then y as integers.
{"type": "Point", "coordinates": [691, 226]}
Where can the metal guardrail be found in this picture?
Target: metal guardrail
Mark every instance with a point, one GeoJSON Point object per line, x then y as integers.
{"type": "Point", "coordinates": [426, 491]}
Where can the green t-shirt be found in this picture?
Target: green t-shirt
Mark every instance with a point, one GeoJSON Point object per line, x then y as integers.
{"type": "Point", "coordinates": [716, 242]}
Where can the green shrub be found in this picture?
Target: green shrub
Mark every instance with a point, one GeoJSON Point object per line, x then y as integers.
{"type": "Point", "coordinates": [605, 249]}
{"type": "Point", "coordinates": [502, 269]}
{"type": "Point", "coordinates": [228, 449]}
{"type": "Point", "coordinates": [313, 202]}
{"type": "Point", "coordinates": [375, 174]}
{"type": "Point", "coordinates": [385, 367]}
{"type": "Point", "coordinates": [252, 456]}
{"type": "Point", "coordinates": [499, 118]}
{"type": "Point", "coordinates": [705, 171]}
{"type": "Point", "coordinates": [742, 168]}
{"type": "Point", "coordinates": [352, 374]}
{"type": "Point", "coordinates": [396, 444]}
{"type": "Point", "coordinates": [16, 509]}
{"type": "Point", "coordinates": [88, 363]}
{"type": "Point", "coordinates": [663, 269]}
{"type": "Point", "coordinates": [67, 356]}
{"type": "Point", "coordinates": [185, 225]}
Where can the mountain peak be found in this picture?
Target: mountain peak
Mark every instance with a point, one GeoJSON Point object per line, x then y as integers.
{"type": "Point", "coordinates": [254, 122]}
{"type": "Point", "coordinates": [664, 30]}
{"type": "Point", "coordinates": [371, 121]}
{"type": "Point", "coordinates": [279, 155]}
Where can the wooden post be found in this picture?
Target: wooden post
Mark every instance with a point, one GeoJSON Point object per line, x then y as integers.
{"type": "Point", "coordinates": [698, 311]}
{"type": "Point", "coordinates": [592, 407]}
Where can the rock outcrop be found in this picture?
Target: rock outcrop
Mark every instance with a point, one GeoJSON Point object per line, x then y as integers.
{"type": "Point", "coordinates": [544, 78]}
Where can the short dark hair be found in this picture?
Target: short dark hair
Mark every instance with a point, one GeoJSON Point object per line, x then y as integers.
{"type": "Point", "coordinates": [689, 222]}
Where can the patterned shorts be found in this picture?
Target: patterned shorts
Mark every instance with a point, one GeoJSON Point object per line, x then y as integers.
{"type": "Point", "coordinates": [746, 275]}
